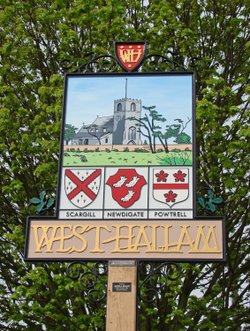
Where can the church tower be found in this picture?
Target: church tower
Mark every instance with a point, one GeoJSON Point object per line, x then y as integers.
{"type": "Point", "coordinates": [125, 130]}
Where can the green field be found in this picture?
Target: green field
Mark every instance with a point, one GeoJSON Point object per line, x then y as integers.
{"type": "Point", "coordinates": [113, 158]}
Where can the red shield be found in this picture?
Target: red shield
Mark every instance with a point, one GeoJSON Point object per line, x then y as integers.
{"type": "Point", "coordinates": [130, 55]}
{"type": "Point", "coordinates": [126, 186]}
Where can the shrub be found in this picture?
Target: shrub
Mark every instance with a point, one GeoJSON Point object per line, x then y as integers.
{"type": "Point", "coordinates": [107, 150]}
{"type": "Point", "coordinates": [141, 150]}
{"type": "Point", "coordinates": [126, 149]}
{"type": "Point", "coordinates": [83, 158]}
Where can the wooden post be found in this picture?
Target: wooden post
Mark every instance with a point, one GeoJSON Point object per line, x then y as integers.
{"type": "Point", "coordinates": [122, 293]}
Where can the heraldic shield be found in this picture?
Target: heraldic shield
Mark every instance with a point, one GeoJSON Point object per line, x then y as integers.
{"type": "Point", "coordinates": [82, 186]}
{"type": "Point", "coordinates": [126, 185]}
{"type": "Point", "coordinates": [130, 54]}
{"type": "Point", "coordinates": [171, 185]}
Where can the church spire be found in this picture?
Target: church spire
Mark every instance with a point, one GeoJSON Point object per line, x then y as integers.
{"type": "Point", "coordinates": [126, 88]}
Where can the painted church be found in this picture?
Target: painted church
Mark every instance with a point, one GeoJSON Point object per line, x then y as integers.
{"type": "Point", "coordinates": [116, 129]}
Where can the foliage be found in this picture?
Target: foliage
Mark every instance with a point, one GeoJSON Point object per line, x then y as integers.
{"type": "Point", "coordinates": [69, 132]}
{"type": "Point", "coordinates": [209, 202]}
{"type": "Point", "coordinates": [35, 36]}
{"type": "Point", "coordinates": [149, 127]}
{"type": "Point", "coordinates": [43, 203]}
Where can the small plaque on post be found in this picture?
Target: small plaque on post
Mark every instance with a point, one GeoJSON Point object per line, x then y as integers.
{"type": "Point", "coordinates": [122, 263]}
{"type": "Point", "coordinates": [121, 287]}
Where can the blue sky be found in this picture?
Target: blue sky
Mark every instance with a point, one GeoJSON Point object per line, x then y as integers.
{"type": "Point", "coordinates": [88, 96]}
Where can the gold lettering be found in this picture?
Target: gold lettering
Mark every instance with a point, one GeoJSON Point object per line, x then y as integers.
{"type": "Point", "coordinates": [97, 248]}
{"type": "Point", "coordinates": [142, 235]}
{"type": "Point", "coordinates": [130, 55]}
{"type": "Point", "coordinates": [201, 237]}
{"type": "Point", "coordinates": [44, 240]}
{"type": "Point", "coordinates": [119, 237]}
{"type": "Point", "coordinates": [154, 240]}
{"type": "Point", "coordinates": [82, 239]}
{"type": "Point", "coordinates": [64, 237]}
{"type": "Point", "coordinates": [167, 246]}
{"type": "Point", "coordinates": [49, 237]}
{"type": "Point", "coordinates": [184, 234]}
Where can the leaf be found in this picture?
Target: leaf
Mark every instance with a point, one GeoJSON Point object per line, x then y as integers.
{"type": "Point", "coordinates": [40, 207]}
{"type": "Point", "coordinates": [211, 206]}
{"type": "Point", "coordinates": [50, 203]}
{"type": "Point", "coordinates": [217, 200]}
{"type": "Point", "coordinates": [210, 194]}
{"type": "Point", "coordinates": [35, 201]}
{"type": "Point", "coordinates": [42, 195]}
{"type": "Point", "coordinates": [201, 202]}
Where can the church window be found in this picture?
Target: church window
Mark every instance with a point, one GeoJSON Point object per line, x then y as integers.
{"type": "Point", "coordinates": [119, 107]}
{"type": "Point", "coordinates": [132, 133]}
{"type": "Point", "coordinates": [132, 106]}
{"type": "Point", "coordinates": [106, 140]}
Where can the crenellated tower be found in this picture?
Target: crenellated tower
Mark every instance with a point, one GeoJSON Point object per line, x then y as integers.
{"type": "Point", "coordinates": [125, 130]}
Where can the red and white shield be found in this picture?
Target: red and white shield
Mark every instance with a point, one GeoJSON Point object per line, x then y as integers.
{"type": "Point", "coordinates": [82, 186]}
{"type": "Point", "coordinates": [130, 54]}
{"type": "Point", "coordinates": [126, 186]}
{"type": "Point", "coordinates": [171, 185]}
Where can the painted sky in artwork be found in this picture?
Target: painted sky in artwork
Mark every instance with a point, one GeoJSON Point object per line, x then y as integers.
{"type": "Point", "coordinates": [92, 96]}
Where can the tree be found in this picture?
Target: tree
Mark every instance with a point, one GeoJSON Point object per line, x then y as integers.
{"type": "Point", "coordinates": [148, 128]}
{"type": "Point", "coordinates": [69, 132]}
{"type": "Point", "coordinates": [177, 131]}
{"type": "Point", "coordinates": [35, 37]}
{"type": "Point", "coordinates": [183, 138]}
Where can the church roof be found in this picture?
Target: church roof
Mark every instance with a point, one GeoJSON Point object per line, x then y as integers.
{"type": "Point", "coordinates": [101, 122]}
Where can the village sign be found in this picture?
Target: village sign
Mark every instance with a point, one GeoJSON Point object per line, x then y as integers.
{"type": "Point", "coordinates": [127, 171]}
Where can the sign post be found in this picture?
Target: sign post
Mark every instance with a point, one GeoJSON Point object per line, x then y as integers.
{"type": "Point", "coordinates": [122, 294]}
{"type": "Point", "coordinates": [127, 189]}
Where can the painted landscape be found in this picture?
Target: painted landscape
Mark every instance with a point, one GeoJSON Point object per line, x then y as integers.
{"type": "Point", "coordinates": [135, 121]}
{"type": "Point", "coordinates": [137, 157]}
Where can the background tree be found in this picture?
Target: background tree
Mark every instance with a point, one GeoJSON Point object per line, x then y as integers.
{"type": "Point", "coordinates": [35, 36]}
{"type": "Point", "coordinates": [69, 132]}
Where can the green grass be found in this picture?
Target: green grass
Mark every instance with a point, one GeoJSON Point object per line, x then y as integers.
{"type": "Point", "coordinates": [126, 158]}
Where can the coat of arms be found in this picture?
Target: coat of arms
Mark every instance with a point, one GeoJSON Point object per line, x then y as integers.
{"type": "Point", "coordinates": [130, 54]}
{"type": "Point", "coordinates": [82, 186]}
{"type": "Point", "coordinates": [171, 185]}
{"type": "Point", "coordinates": [126, 186]}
